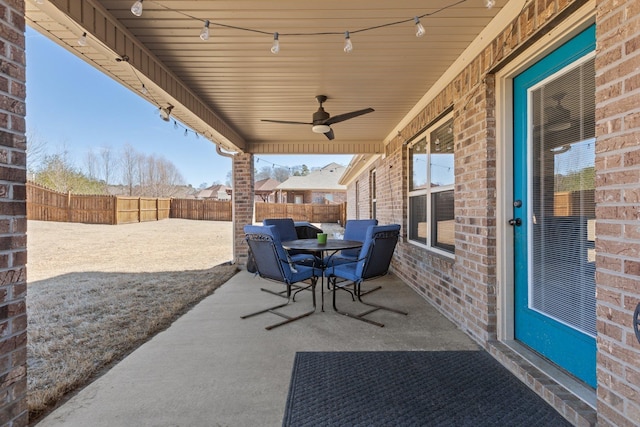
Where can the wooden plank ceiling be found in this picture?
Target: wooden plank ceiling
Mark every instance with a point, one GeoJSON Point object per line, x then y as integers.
{"type": "Point", "coordinates": [224, 86]}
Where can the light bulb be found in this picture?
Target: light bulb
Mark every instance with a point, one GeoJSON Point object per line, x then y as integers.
{"type": "Point", "coordinates": [144, 89]}
{"type": "Point", "coordinates": [348, 46]}
{"type": "Point", "coordinates": [204, 34]}
{"type": "Point", "coordinates": [39, 1]}
{"type": "Point", "coordinates": [275, 47]}
{"type": "Point", "coordinates": [489, 3]}
{"type": "Point", "coordinates": [420, 31]}
{"type": "Point", "coordinates": [136, 9]}
{"type": "Point", "coordinates": [165, 113]}
{"type": "Point", "coordinates": [82, 41]}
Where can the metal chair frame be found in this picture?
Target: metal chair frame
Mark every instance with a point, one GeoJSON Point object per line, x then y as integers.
{"type": "Point", "coordinates": [277, 269]}
{"type": "Point", "coordinates": [383, 240]}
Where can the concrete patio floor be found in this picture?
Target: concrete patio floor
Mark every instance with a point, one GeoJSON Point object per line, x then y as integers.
{"type": "Point", "coordinates": [211, 368]}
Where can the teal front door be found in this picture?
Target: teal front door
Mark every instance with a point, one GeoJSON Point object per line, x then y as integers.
{"type": "Point", "coordinates": [554, 208]}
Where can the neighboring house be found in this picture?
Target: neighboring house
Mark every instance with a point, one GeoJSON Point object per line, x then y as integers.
{"type": "Point", "coordinates": [320, 186]}
{"type": "Point", "coordinates": [215, 192]}
{"type": "Point", "coordinates": [265, 190]}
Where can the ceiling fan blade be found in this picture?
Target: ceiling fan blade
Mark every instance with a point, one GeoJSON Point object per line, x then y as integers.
{"type": "Point", "coordinates": [286, 122]}
{"type": "Point", "coordinates": [347, 116]}
{"type": "Point", "coordinates": [329, 135]}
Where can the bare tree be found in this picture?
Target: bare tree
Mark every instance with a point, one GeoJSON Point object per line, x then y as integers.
{"type": "Point", "coordinates": [36, 152]}
{"type": "Point", "coordinates": [91, 164]}
{"type": "Point", "coordinates": [129, 164]}
{"type": "Point", "coordinates": [108, 164]}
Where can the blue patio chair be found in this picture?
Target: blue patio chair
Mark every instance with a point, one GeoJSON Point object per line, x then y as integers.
{"type": "Point", "coordinates": [273, 263]}
{"type": "Point", "coordinates": [354, 229]}
{"type": "Point", "coordinates": [374, 261]}
{"type": "Point", "coordinates": [287, 230]}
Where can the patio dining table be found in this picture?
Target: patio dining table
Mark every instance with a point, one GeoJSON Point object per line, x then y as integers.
{"type": "Point", "coordinates": [328, 249]}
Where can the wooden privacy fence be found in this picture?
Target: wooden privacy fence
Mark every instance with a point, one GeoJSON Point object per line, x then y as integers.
{"type": "Point", "coordinates": [302, 212]}
{"type": "Point", "coordinates": [209, 210]}
{"type": "Point", "coordinates": [48, 205]}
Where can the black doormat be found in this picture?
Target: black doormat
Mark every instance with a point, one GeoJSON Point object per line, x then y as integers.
{"type": "Point", "coordinates": [410, 388]}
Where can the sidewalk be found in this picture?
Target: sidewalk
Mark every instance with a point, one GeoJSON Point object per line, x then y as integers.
{"type": "Point", "coordinates": [211, 368]}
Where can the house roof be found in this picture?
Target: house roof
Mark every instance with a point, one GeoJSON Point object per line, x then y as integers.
{"type": "Point", "coordinates": [325, 179]}
{"type": "Point", "coordinates": [211, 191]}
{"type": "Point", "coordinates": [267, 185]}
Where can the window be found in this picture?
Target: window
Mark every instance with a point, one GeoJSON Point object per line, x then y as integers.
{"type": "Point", "coordinates": [372, 181]}
{"type": "Point", "coordinates": [431, 180]}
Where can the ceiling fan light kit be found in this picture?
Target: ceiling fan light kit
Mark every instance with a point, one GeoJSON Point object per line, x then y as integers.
{"type": "Point", "coordinates": [320, 128]}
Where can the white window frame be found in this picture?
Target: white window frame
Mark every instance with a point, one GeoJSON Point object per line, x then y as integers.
{"type": "Point", "coordinates": [373, 208]}
{"type": "Point", "coordinates": [428, 191]}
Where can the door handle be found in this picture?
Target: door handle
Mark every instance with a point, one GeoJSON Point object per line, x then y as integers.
{"type": "Point", "coordinates": [515, 222]}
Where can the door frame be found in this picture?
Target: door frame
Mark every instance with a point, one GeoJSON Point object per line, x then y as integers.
{"type": "Point", "coordinates": [564, 31]}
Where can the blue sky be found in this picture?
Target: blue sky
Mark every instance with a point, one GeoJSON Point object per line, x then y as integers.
{"type": "Point", "coordinates": [74, 107]}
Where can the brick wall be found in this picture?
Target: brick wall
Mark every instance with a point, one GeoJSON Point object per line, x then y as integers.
{"type": "Point", "coordinates": [243, 185]}
{"type": "Point", "coordinates": [465, 288]}
{"type": "Point", "coordinates": [618, 210]}
{"type": "Point", "coordinates": [13, 222]}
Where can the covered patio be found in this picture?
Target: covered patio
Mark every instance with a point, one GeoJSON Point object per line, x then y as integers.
{"type": "Point", "coordinates": [213, 368]}
{"type": "Point", "coordinates": [216, 67]}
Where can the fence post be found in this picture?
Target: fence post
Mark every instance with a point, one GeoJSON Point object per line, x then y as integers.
{"type": "Point", "coordinates": [69, 210]}
{"type": "Point", "coordinates": [115, 210]}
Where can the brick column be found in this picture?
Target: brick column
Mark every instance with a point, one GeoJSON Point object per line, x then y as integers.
{"type": "Point", "coordinates": [618, 210]}
{"type": "Point", "coordinates": [243, 190]}
{"type": "Point", "coordinates": [13, 222]}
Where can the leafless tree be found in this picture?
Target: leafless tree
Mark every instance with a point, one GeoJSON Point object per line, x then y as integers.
{"type": "Point", "coordinates": [108, 164]}
{"type": "Point", "coordinates": [129, 164]}
{"type": "Point", "coordinates": [91, 164]}
{"type": "Point", "coordinates": [36, 151]}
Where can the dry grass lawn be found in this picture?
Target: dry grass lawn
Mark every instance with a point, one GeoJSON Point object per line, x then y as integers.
{"type": "Point", "coordinates": [96, 292]}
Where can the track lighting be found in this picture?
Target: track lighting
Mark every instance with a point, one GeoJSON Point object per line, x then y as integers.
{"type": "Point", "coordinates": [275, 47]}
{"type": "Point", "coordinates": [348, 46]}
{"type": "Point", "coordinates": [420, 31]}
{"type": "Point", "coordinates": [136, 9]}
{"type": "Point", "coordinates": [204, 34]}
{"type": "Point", "coordinates": [489, 3]}
{"type": "Point", "coordinates": [165, 113]}
{"type": "Point", "coordinates": [82, 41]}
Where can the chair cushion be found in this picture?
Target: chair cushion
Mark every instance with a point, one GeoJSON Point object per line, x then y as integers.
{"type": "Point", "coordinates": [374, 259]}
{"type": "Point", "coordinates": [285, 226]}
{"type": "Point", "coordinates": [280, 257]}
{"type": "Point", "coordinates": [356, 229]}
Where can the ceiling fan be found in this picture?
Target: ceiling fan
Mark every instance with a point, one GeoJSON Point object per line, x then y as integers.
{"type": "Point", "coordinates": [322, 120]}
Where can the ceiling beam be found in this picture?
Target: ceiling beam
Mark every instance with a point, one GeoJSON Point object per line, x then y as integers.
{"type": "Point", "coordinates": [316, 147]}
